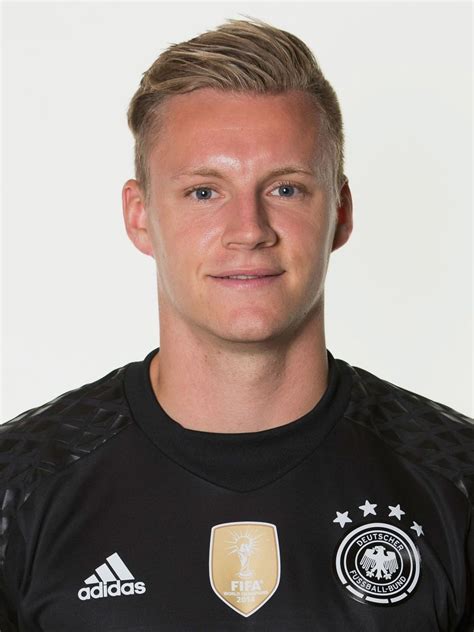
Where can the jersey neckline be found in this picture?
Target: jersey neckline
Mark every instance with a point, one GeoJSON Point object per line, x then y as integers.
{"type": "Point", "coordinates": [237, 461]}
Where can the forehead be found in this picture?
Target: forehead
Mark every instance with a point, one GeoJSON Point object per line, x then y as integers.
{"type": "Point", "coordinates": [248, 129]}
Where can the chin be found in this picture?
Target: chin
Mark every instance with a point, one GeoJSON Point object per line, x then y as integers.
{"type": "Point", "coordinates": [249, 332]}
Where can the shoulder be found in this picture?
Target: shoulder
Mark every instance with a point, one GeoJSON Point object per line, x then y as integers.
{"type": "Point", "coordinates": [46, 439]}
{"type": "Point", "coordinates": [427, 432]}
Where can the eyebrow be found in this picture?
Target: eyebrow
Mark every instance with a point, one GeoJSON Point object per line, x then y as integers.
{"type": "Point", "coordinates": [214, 173]}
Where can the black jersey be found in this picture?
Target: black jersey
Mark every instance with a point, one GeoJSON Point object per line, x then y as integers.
{"type": "Point", "coordinates": [355, 517]}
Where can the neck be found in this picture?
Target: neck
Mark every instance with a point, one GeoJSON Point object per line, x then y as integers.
{"type": "Point", "coordinates": [226, 386]}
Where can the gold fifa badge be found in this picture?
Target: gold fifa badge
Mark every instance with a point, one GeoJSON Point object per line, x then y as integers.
{"type": "Point", "coordinates": [244, 564]}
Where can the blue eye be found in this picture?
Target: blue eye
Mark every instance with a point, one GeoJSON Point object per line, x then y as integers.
{"type": "Point", "coordinates": [202, 193]}
{"type": "Point", "coordinates": [286, 190]}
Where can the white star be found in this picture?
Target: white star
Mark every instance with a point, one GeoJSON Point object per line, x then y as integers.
{"type": "Point", "coordinates": [368, 508]}
{"type": "Point", "coordinates": [342, 518]}
{"type": "Point", "coordinates": [396, 511]}
{"type": "Point", "coordinates": [418, 528]}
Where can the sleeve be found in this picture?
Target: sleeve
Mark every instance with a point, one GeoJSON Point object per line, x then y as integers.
{"type": "Point", "coordinates": [8, 556]}
{"type": "Point", "coordinates": [13, 470]}
{"type": "Point", "coordinates": [467, 624]}
{"type": "Point", "coordinates": [8, 619]}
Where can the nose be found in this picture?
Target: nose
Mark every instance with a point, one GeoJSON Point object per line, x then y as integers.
{"type": "Point", "coordinates": [247, 224]}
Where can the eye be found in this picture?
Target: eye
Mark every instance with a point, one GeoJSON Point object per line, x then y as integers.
{"type": "Point", "coordinates": [202, 193]}
{"type": "Point", "coordinates": [286, 190]}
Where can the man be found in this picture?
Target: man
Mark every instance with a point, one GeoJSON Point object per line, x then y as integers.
{"type": "Point", "coordinates": [239, 477]}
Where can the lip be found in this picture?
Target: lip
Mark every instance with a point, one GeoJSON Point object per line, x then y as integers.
{"type": "Point", "coordinates": [247, 284]}
{"type": "Point", "coordinates": [261, 272]}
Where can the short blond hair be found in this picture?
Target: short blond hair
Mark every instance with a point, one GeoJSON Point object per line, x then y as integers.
{"type": "Point", "coordinates": [239, 56]}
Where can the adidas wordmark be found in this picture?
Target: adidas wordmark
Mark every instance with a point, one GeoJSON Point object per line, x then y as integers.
{"type": "Point", "coordinates": [111, 579]}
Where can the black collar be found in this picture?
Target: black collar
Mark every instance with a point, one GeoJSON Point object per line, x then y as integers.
{"type": "Point", "coordinates": [237, 461]}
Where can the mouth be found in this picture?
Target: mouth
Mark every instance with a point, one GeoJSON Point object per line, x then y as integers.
{"type": "Point", "coordinates": [248, 281]}
{"type": "Point", "coordinates": [245, 277]}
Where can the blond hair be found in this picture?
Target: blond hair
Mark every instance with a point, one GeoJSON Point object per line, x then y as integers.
{"type": "Point", "coordinates": [240, 56]}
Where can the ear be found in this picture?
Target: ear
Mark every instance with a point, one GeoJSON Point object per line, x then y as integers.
{"type": "Point", "coordinates": [135, 217]}
{"type": "Point", "coordinates": [344, 217]}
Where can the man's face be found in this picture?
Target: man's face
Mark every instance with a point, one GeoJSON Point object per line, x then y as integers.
{"type": "Point", "coordinates": [217, 204]}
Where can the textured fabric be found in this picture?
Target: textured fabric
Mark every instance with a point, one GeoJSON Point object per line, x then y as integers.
{"type": "Point", "coordinates": [418, 428]}
{"type": "Point", "coordinates": [357, 516]}
{"type": "Point", "coordinates": [49, 438]}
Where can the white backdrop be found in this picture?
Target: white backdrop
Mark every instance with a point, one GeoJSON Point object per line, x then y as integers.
{"type": "Point", "coordinates": [79, 300]}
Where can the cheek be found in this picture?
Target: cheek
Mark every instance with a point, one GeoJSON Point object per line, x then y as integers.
{"type": "Point", "coordinates": [183, 249]}
{"type": "Point", "coordinates": [307, 242]}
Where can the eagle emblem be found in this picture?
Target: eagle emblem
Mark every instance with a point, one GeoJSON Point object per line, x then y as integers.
{"type": "Point", "coordinates": [377, 561]}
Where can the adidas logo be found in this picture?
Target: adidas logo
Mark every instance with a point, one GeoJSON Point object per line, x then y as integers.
{"type": "Point", "coordinates": [107, 584]}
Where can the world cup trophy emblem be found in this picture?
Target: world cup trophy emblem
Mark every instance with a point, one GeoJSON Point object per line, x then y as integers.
{"type": "Point", "coordinates": [244, 564]}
